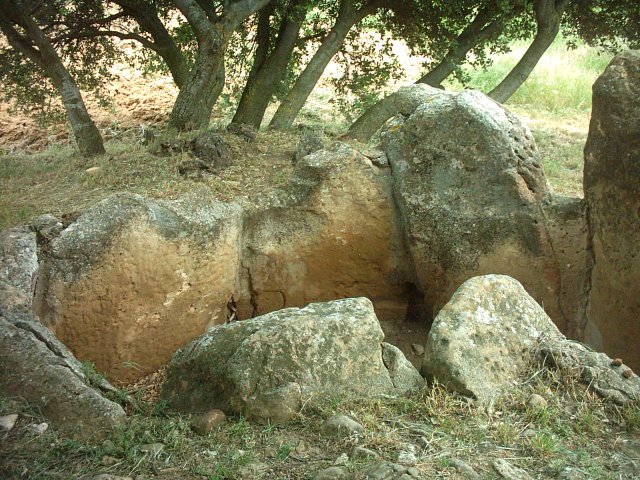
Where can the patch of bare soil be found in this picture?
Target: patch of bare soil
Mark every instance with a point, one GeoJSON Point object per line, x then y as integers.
{"type": "Point", "coordinates": [148, 388]}
{"type": "Point", "coordinates": [136, 100]}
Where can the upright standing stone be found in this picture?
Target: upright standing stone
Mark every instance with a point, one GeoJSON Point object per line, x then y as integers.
{"type": "Point", "coordinates": [612, 193]}
{"type": "Point", "coordinates": [470, 188]}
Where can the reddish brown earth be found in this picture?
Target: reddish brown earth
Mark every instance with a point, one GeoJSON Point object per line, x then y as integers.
{"type": "Point", "coordinates": [137, 100]}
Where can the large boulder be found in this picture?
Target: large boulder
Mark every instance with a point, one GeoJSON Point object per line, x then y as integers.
{"type": "Point", "coordinates": [134, 279]}
{"type": "Point", "coordinates": [333, 233]}
{"type": "Point", "coordinates": [612, 193]}
{"type": "Point", "coordinates": [18, 267]}
{"type": "Point", "coordinates": [268, 367]}
{"type": "Point", "coordinates": [469, 186]}
{"type": "Point", "coordinates": [36, 367]}
{"type": "Point", "coordinates": [483, 339]}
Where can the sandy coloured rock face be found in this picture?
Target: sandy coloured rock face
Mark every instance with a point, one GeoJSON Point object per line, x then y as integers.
{"type": "Point", "coordinates": [481, 340]}
{"type": "Point", "coordinates": [267, 367]}
{"type": "Point", "coordinates": [469, 186]}
{"type": "Point", "coordinates": [133, 280]}
{"type": "Point", "coordinates": [612, 193]}
{"type": "Point", "coordinates": [333, 233]}
{"type": "Point", "coordinates": [18, 267]}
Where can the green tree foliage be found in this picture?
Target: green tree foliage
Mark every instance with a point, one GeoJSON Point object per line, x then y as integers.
{"type": "Point", "coordinates": [608, 24]}
{"type": "Point", "coordinates": [28, 87]}
{"type": "Point", "coordinates": [266, 50]}
{"type": "Point", "coordinates": [31, 31]}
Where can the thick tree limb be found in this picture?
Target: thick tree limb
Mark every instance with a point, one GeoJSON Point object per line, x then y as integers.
{"type": "Point", "coordinates": [548, 18]}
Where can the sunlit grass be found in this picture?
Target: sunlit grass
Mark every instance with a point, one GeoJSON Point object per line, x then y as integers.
{"type": "Point", "coordinates": [561, 81]}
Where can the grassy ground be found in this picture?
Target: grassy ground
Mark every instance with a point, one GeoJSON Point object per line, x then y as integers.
{"type": "Point", "coordinates": [59, 181]}
{"type": "Point", "coordinates": [575, 429]}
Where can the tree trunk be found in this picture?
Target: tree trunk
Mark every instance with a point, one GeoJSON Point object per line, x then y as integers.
{"type": "Point", "coordinates": [304, 85]}
{"type": "Point", "coordinates": [404, 102]}
{"type": "Point", "coordinates": [548, 18]}
{"type": "Point", "coordinates": [195, 101]}
{"type": "Point", "coordinates": [85, 132]}
{"type": "Point", "coordinates": [482, 28]}
{"type": "Point", "coordinates": [268, 76]}
{"type": "Point", "coordinates": [146, 16]}
{"type": "Point", "coordinates": [263, 38]}
{"type": "Point", "coordinates": [39, 50]}
{"type": "Point", "coordinates": [199, 93]}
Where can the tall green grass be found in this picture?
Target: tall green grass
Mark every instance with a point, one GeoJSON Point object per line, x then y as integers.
{"type": "Point", "coordinates": [561, 81]}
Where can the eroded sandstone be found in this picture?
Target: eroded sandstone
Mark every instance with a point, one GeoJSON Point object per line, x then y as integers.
{"type": "Point", "coordinates": [612, 194]}
{"type": "Point", "coordinates": [333, 234]}
{"type": "Point", "coordinates": [133, 280]}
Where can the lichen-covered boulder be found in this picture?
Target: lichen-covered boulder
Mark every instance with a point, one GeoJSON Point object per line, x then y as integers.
{"type": "Point", "coordinates": [483, 339]}
{"type": "Point", "coordinates": [18, 267]}
{"type": "Point", "coordinates": [133, 279]}
{"type": "Point", "coordinates": [36, 367]}
{"type": "Point", "coordinates": [609, 378]}
{"type": "Point", "coordinates": [612, 194]}
{"type": "Point", "coordinates": [470, 187]}
{"type": "Point", "coordinates": [269, 366]}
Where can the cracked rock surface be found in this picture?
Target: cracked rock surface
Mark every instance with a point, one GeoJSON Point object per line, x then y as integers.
{"type": "Point", "coordinates": [35, 366]}
{"type": "Point", "coordinates": [267, 367]}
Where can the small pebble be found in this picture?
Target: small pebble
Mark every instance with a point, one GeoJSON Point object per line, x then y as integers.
{"type": "Point", "coordinates": [414, 472]}
{"type": "Point", "coordinates": [616, 362]}
{"type": "Point", "coordinates": [39, 428]}
{"type": "Point", "coordinates": [407, 458]}
{"type": "Point", "coordinates": [107, 461]}
{"type": "Point", "coordinates": [331, 473]}
{"type": "Point", "coordinates": [302, 449]}
{"type": "Point", "coordinates": [108, 476]}
{"type": "Point", "coordinates": [536, 401]}
{"type": "Point", "coordinates": [508, 471]}
{"type": "Point", "coordinates": [628, 373]}
{"type": "Point", "coordinates": [424, 442]}
{"type": "Point", "coordinates": [570, 474]}
{"type": "Point", "coordinates": [7, 422]}
{"type": "Point", "coordinates": [341, 426]}
{"type": "Point", "coordinates": [417, 349]}
{"type": "Point", "coordinates": [342, 459]}
{"type": "Point", "coordinates": [205, 423]}
{"type": "Point", "coordinates": [152, 448]}
{"type": "Point", "coordinates": [465, 470]}
{"type": "Point", "coordinates": [361, 452]}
